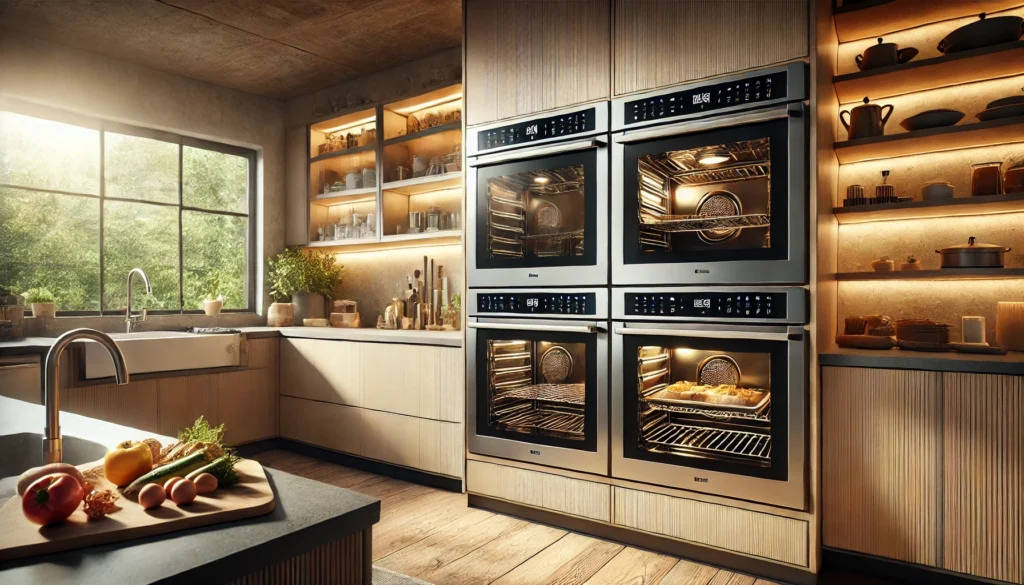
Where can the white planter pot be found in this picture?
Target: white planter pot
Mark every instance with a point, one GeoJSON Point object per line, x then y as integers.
{"type": "Point", "coordinates": [212, 308]}
{"type": "Point", "coordinates": [44, 310]}
{"type": "Point", "coordinates": [281, 315]}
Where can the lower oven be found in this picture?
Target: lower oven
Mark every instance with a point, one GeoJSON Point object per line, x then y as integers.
{"type": "Point", "coordinates": [712, 406]}
{"type": "Point", "coordinates": [537, 377]}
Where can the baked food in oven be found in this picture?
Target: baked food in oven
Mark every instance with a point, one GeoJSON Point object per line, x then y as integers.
{"type": "Point", "coordinates": [680, 387]}
{"type": "Point", "coordinates": [723, 394]}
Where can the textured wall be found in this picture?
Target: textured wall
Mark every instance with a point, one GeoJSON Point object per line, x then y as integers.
{"type": "Point", "coordinates": [72, 80]}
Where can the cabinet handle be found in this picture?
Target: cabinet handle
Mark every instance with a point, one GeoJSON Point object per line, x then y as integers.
{"type": "Point", "coordinates": [539, 151]}
{"type": "Point", "coordinates": [551, 328]}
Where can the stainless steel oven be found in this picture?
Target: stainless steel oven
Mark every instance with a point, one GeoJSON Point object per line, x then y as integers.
{"type": "Point", "coordinates": [709, 391]}
{"type": "Point", "coordinates": [538, 376]}
{"type": "Point", "coordinates": [539, 214]}
{"type": "Point", "coordinates": [710, 182]}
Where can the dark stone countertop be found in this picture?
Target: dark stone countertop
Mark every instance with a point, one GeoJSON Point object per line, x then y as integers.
{"type": "Point", "coordinates": [898, 359]}
{"type": "Point", "coordinates": [307, 514]}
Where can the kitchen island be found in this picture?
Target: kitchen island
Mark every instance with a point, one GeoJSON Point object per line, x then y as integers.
{"type": "Point", "coordinates": [315, 529]}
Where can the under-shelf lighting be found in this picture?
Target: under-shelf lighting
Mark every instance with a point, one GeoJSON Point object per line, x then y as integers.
{"type": "Point", "coordinates": [410, 109]}
{"type": "Point", "coordinates": [362, 122]}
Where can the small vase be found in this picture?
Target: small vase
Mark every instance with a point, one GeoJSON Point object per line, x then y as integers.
{"type": "Point", "coordinates": [281, 315]}
{"type": "Point", "coordinates": [309, 306]}
{"type": "Point", "coordinates": [43, 310]}
{"type": "Point", "coordinates": [212, 308]}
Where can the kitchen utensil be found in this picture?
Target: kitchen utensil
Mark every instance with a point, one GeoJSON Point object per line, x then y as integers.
{"type": "Point", "coordinates": [998, 113]}
{"type": "Point", "coordinates": [415, 222]}
{"type": "Point", "coordinates": [866, 121]}
{"type": "Point", "coordinates": [937, 191]}
{"type": "Point", "coordinates": [884, 193]}
{"type": "Point", "coordinates": [369, 177]}
{"type": "Point", "coordinates": [884, 55]}
{"type": "Point", "coordinates": [1010, 325]}
{"type": "Point", "coordinates": [883, 264]}
{"type": "Point", "coordinates": [1013, 180]}
{"type": "Point", "coordinates": [718, 204]}
{"type": "Point", "coordinates": [865, 341]}
{"type": "Point", "coordinates": [986, 179]}
{"type": "Point", "coordinates": [854, 196]}
{"type": "Point", "coordinates": [922, 331]}
{"type": "Point", "coordinates": [932, 119]}
{"type": "Point", "coordinates": [401, 173]}
{"type": "Point", "coordinates": [433, 219]}
{"type": "Point", "coordinates": [556, 365]}
{"type": "Point", "coordinates": [419, 166]}
{"type": "Point", "coordinates": [973, 255]}
{"type": "Point", "coordinates": [972, 329]}
{"type": "Point", "coordinates": [718, 369]}
{"type": "Point", "coordinates": [977, 348]}
{"type": "Point", "coordinates": [983, 32]}
{"type": "Point", "coordinates": [455, 220]}
{"type": "Point", "coordinates": [911, 264]}
{"type": "Point", "coordinates": [1013, 100]}
{"type": "Point", "coordinates": [436, 167]}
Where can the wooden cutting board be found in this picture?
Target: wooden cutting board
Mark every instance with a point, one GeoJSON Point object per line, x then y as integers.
{"type": "Point", "coordinates": [19, 538]}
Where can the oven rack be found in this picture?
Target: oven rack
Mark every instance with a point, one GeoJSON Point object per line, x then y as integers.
{"type": "Point", "coordinates": [691, 439]}
{"type": "Point", "coordinates": [701, 223]}
{"type": "Point", "coordinates": [555, 421]}
{"type": "Point", "coordinates": [554, 237]}
{"type": "Point", "coordinates": [564, 393]}
{"type": "Point", "coordinates": [764, 415]}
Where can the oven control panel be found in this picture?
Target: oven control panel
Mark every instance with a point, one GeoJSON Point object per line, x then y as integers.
{"type": "Point", "coordinates": [724, 305]}
{"type": "Point", "coordinates": [707, 98]}
{"type": "Point", "coordinates": [538, 303]}
{"type": "Point", "coordinates": [534, 130]}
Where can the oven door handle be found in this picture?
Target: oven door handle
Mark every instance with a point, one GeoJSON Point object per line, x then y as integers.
{"type": "Point", "coordinates": [535, 152]}
{"type": "Point", "coordinates": [684, 128]}
{"type": "Point", "coordinates": [713, 334]}
{"type": "Point", "coordinates": [550, 328]}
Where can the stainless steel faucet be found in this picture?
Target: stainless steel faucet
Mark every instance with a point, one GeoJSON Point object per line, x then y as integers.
{"type": "Point", "coordinates": [129, 319]}
{"type": "Point", "coordinates": [53, 445]}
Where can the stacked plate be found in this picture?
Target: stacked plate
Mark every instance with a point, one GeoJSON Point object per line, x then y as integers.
{"type": "Point", "coordinates": [1007, 107]}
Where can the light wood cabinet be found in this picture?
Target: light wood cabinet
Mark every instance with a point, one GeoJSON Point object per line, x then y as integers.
{"type": "Point", "coordinates": [925, 467]}
{"type": "Point", "coordinates": [529, 56]}
{"type": "Point", "coordinates": [541, 490]}
{"type": "Point", "coordinates": [664, 42]}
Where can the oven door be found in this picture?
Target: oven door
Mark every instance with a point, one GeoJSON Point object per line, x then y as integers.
{"type": "Point", "coordinates": [540, 216]}
{"type": "Point", "coordinates": [538, 392]}
{"type": "Point", "coordinates": [711, 408]}
{"type": "Point", "coordinates": [720, 200]}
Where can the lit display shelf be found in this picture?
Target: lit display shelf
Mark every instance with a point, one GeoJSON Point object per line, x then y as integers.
{"type": "Point", "coordinates": [874, 18]}
{"type": "Point", "coordinates": [1002, 131]}
{"type": "Point", "coordinates": [959, 206]}
{"type": "Point", "coordinates": [945, 274]}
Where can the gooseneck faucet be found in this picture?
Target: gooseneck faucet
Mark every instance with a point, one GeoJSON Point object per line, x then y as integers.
{"type": "Point", "coordinates": [129, 319]}
{"type": "Point", "coordinates": [53, 445]}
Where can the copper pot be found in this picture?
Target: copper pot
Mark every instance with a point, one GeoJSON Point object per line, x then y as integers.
{"type": "Point", "coordinates": [884, 55]}
{"type": "Point", "coordinates": [866, 121]}
{"type": "Point", "coordinates": [973, 255]}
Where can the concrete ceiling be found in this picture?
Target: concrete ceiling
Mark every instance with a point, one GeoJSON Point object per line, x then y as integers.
{"type": "Point", "coordinates": [274, 48]}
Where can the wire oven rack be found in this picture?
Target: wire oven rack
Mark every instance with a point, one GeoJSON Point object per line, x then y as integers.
{"type": "Point", "coordinates": [701, 223]}
{"type": "Point", "coordinates": [552, 421]}
{"type": "Point", "coordinates": [564, 393]}
{"type": "Point", "coordinates": [710, 442]}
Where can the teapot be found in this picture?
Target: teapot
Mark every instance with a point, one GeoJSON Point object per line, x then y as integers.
{"type": "Point", "coordinates": [866, 121]}
{"type": "Point", "coordinates": [884, 55]}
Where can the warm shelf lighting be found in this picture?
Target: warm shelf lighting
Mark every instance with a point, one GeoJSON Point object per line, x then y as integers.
{"type": "Point", "coordinates": [410, 109]}
{"type": "Point", "coordinates": [362, 122]}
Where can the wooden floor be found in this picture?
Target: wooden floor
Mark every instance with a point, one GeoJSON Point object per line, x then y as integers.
{"type": "Point", "coordinates": [433, 535]}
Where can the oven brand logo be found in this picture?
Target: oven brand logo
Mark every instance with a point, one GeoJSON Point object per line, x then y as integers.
{"type": "Point", "coordinates": [700, 479]}
{"type": "Point", "coordinates": [702, 271]}
{"type": "Point", "coordinates": [532, 130]}
{"type": "Point", "coordinates": [533, 275]}
{"type": "Point", "coordinates": [534, 452]}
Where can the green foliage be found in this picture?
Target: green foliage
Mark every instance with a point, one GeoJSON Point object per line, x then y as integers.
{"type": "Point", "coordinates": [294, 270]}
{"type": "Point", "coordinates": [39, 295]}
{"type": "Point", "coordinates": [214, 287]}
{"type": "Point", "coordinates": [202, 432]}
{"type": "Point", "coordinates": [455, 302]}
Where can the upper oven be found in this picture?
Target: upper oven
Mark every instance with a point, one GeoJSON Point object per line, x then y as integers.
{"type": "Point", "coordinates": [710, 182]}
{"type": "Point", "coordinates": [539, 213]}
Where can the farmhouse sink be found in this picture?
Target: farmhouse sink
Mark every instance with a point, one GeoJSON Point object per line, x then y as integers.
{"type": "Point", "coordinates": [164, 351]}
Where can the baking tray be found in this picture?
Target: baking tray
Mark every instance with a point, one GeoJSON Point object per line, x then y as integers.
{"type": "Point", "coordinates": [664, 396]}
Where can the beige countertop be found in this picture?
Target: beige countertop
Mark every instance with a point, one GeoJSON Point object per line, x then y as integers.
{"type": "Point", "coordinates": [413, 337]}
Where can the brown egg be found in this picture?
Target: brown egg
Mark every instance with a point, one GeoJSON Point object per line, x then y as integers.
{"type": "Point", "coordinates": [170, 483]}
{"type": "Point", "coordinates": [152, 496]}
{"type": "Point", "coordinates": [205, 483]}
{"type": "Point", "coordinates": [183, 492]}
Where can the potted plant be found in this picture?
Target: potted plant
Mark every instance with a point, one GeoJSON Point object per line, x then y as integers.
{"type": "Point", "coordinates": [306, 278]}
{"type": "Point", "coordinates": [42, 301]}
{"type": "Point", "coordinates": [452, 314]}
{"type": "Point", "coordinates": [214, 300]}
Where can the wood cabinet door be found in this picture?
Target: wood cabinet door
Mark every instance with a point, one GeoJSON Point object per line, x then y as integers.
{"type": "Point", "coordinates": [529, 56]}
{"type": "Point", "coordinates": [658, 43]}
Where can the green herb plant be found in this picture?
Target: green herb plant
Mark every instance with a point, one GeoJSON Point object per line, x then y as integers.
{"type": "Point", "coordinates": [214, 291]}
{"type": "Point", "coordinates": [297, 271]}
{"type": "Point", "coordinates": [39, 295]}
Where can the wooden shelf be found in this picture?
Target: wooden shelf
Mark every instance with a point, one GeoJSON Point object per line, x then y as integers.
{"type": "Point", "coordinates": [450, 236]}
{"type": "Point", "coordinates": [877, 18]}
{"type": "Point", "coordinates": [424, 133]}
{"type": "Point", "coordinates": [341, 243]}
{"type": "Point", "coordinates": [1002, 131]}
{"type": "Point", "coordinates": [922, 209]}
{"type": "Point", "coordinates": [969, 66]}
{"type": "Point", "coordinates": [390, 242]}
{"type": "Point", "coordinates": [947, 274]}
{"type": "Point", "coordinates": [345, 152]}
{"type": "Point", "coordinates": [425, 184]}
{"type": "Point", "coordinates": [347, 196]}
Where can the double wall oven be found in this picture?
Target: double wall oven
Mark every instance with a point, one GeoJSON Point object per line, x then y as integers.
{"type": "Point", "coordinates": [709, 182]}
{"type": "Point", "coordinates": [708, 390]}
{"type": "Point", "coordinates": [537, 376]}
{"type": "Point", "coordinates": [539, 215]}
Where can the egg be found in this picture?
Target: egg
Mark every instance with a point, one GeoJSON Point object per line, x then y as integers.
{"type": "Point", "coordinates": [152, 496]}
{"type": "Point", "coordinates": [170, 483]}
{"type": "Point", "coordinates": [183, 492]}
{"type": "Point", "coordinates": [205, 483]}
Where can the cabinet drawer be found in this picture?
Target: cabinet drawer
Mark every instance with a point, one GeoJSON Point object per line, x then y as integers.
{"type": "Point", "coordinates": [322, 370]}
{"type": "Point", "coordinates": [540, 490]}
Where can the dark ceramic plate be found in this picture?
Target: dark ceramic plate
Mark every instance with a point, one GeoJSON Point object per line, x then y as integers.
{"type": "Point", "coordinates": [982, 33]}
{"type": "Point", "coordinates": [971, 348]}
{"type": "Point", "coordinates": [1001, 112]}
{"type": "Point", "coordinates": [932, 119]}
{"type": "Point", "coordinates": [1016, 100]}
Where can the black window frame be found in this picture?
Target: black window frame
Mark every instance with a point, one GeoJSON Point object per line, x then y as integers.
{"type": "Point", "coordinates": [103, 127]}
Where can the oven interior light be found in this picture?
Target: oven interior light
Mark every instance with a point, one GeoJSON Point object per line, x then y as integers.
{"type": "Point", "coordinates": [541, 180]}
{"type": "Point", "coordinates": [713, 157]}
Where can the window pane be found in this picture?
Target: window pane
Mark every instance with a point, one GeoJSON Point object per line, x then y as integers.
{"type": "Point", "coordinates": [140, 168]}
{"type": "Point", "coordinates": [48, 155]}
{"type": "Point", "coordinates": [51, 241]}
{"type": "Point", "coordinates": [213, 248]}
{"type": "Point", "coordinates": [143, 236]}
{"type": "Point", "coordinates": [214, 180]}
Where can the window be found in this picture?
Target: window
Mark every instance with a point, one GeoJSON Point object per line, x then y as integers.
{"type": "Point", "coordinates": [82, 202]}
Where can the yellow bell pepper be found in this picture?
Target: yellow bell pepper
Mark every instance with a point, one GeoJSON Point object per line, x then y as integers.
{"type": "Point", "coordinates": [127, 462]}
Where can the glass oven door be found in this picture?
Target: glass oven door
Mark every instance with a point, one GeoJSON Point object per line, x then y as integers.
{"type": "Point", "coordinates": [538, 392]}
{"type": "Point", "coordinates": [726, 404]}
{"type": "Point", "coordinates": [716, 201]}
{"type": "Point", "coordinates": [539, 216]}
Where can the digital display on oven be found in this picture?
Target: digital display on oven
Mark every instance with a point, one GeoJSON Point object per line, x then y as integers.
{"type": "Point", "coordinates": [534, 130]}
{"type": "Point", "coordinates": [540, 303]}
{"type": "Point", "coordinates": [732, 305]}
{"type": "Point", "coordinates": [707, 98]}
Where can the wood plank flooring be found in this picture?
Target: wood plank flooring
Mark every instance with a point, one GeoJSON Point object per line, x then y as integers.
{"type": "Point", "coordinates": [433, 535]}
